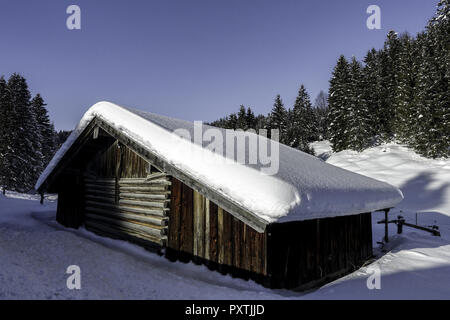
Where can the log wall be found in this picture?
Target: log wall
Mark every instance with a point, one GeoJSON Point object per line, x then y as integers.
{"type": "Point", "coordinates": [308, 253]}
{"type": "Point", "coordinates": [125, 198]}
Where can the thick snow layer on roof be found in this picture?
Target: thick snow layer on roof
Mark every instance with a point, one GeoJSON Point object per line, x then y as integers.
{"type": "Point", "coordinates": [303, 188]}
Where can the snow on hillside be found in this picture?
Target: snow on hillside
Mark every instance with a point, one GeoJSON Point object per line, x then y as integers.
{"type": "Point", "coordinates": [35, 251]}
{"type": "Point", "coordinates": [425, 183]}
{"type": "Point", "coordinates": [416, 264]}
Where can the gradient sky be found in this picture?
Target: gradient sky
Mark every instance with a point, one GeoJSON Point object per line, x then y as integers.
{"type": "Point", "coordinates": [191, 59]}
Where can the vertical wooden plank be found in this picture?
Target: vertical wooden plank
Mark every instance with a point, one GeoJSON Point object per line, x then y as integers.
{"type": "Point", "coordinates": [369, 232]}
{"type": "Point", "coordinates": [196, 223]}
{"type": "Point", "coordinates": [236, 243]}
{"type": "Point", "coordinates": [199, 221]}
{"type": "Point", "coordinates": [174, 216]}
{"type": "Point", "coordinates": [265, 251]}
{"type": "Point", "coordinates": [187, 230]}
{"type": "Point", "coordinates": [207, 228]}
{"type": "Point", "coordinates": [220, 240]}
{"type": "Point", "coordinates": [213, 232]}
{"type": "Point", "coordinates": [227, 238]}
{"type": "Point", "coordinates": [256, 248]}
{"type": "Point", "coordinates": [245, 247]}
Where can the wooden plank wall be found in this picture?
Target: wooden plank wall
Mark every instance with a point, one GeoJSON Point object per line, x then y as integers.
{"type": "Point", "coordinates": [119, 160]}
{"type": "Point", "coordinates": [302, 254]}
{"type": "Point", "coordinates": [202, 231]}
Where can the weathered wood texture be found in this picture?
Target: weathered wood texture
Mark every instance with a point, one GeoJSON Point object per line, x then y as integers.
{"type": "Point", "coordinates": [122, 200]}
{"type": "Point", "coordinates": [302, 254]}
{"type": "Point", "coordinates": [198, 228]}
{"type": "Point", "coordinates": [119, 161]}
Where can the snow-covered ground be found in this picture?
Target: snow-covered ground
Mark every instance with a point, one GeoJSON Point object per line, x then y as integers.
{"type": "Point", "coordinates": [35, 251]}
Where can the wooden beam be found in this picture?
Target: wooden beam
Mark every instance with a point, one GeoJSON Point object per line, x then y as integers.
{"type": "Point", "coordinates": [146, 229]}
{"type": "Point", "coordinates": [386, 226]}
{"type": "Point", "coordinates": [207, 228]}
{"type": "Point", "coordinates": [220, 242]}
{"type": "Point", "coordinates": [152, 204]}
{"type": "Point", "coordinates": [142, 196]}
{"type": "Point", "coordinates": [155, 220]}
{"type": "Point", "coordinates": [199, 217]}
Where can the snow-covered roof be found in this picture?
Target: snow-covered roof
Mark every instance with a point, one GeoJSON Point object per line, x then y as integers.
{"type": "Point", "coordinates": [303, 188]}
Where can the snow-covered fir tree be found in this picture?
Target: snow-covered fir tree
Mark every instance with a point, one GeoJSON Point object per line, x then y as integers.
{"type": "Point", "coordinates": [45, 129]}
{"type": "Point", "coordinates": [389, 58]}
{"type": "Point", "coordinates": [372, 90]}
{"type": "Point", "coordinates": [27, 138]}
{"type": "Point", "coordinates": [302, 127]}
{"type": "Point", "coordinates": [321, 111]}
{"type": "Point", "coordinates": [359, 135]}
{"type": "Point", "coordinates": [339, 104]}
{"type": "Point", "coordinates": [251, 119]}
{"type": "Point", "coordinates": [5, 132]}
{"type": "Point", "coordinates": [242, 118]}
{"type": "Point", "coordinates": [25, 156]}
{"type": "Point", "coordinates": [405, 93]}
{"type": "Point", "coordinates": [278, 119]}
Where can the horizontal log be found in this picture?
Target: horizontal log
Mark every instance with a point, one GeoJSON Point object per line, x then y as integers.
{"type": "Point", "coordinates": [158, 212]}
{"type": "Point", "coordinates": [156, 176]}
{"type": "Point", "coordinates": [97, 192]}
{"type": "Point", "coordinates": [101, 181]}
{"type": "Point", "coordinates": [161, 212]}
{"type": "Point", "coordinates": [140, 196]}
{"type": "Point", "coordinates": [154, 220]}
{"type": "Point", "coordinates": [135, 227]}
{"type": "Point", "coordinates": [143, 182]}
{"type": "Point", "coordinates": [114, 231]}
{"type": "Point", "coordinates": [151, 204]}
{"type": "Point", "coordinates": [105, 187]}
{"type": "Point", "coordinates": [143, 189]}
{"type": "Point", "coordinates": [110, 200]}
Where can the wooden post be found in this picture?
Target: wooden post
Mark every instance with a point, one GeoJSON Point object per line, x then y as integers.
{"type": "Point", "coordinates": [42, 198]}
{"type": "Point", "coordinates": [386, 226]}
{"type": "Point", "coordinates": [400, 223]}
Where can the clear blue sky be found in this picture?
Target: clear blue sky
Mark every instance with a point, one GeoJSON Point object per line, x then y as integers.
{"type": "Point", "coordinates": [191, 59]}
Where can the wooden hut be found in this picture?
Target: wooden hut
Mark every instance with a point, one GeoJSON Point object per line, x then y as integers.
{"type": "Point", "coordinates": [120, 184]}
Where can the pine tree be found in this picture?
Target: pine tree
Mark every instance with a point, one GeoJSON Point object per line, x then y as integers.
{"type": "Point", "coordinates": [433, 129]}
{"type": "Point", "coordinates": [250, 119]}
{"type": "Point", "coordinates": [406, 89]}
{"type": "Point", "coordinates": [242, 118]}
{"type": "Point", "coordinates": [321, 110]}
{"type": "Point", "coordinates": [358, 124]}
{"type": "Point", "coordinates": [372, 91]}
{"type": "Point", "coordinates": [389, 58]}
{"type": "Point", "coordinates": [302, 124]}
{"type": "Point", "coordinates": [278, 119]}
{"type": "Point", "coordinates": [439, 31]}
{"type": "Point", "coordinates": [232, 122]}
{"type": "Point", "coordinates": [45, 129]}
{"type": "Point", "coordinates": [25, 154]}
{"type": "Point", "coordinates": [339, 105]}
{"type": "Point", "coordinates": [5, 131]}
